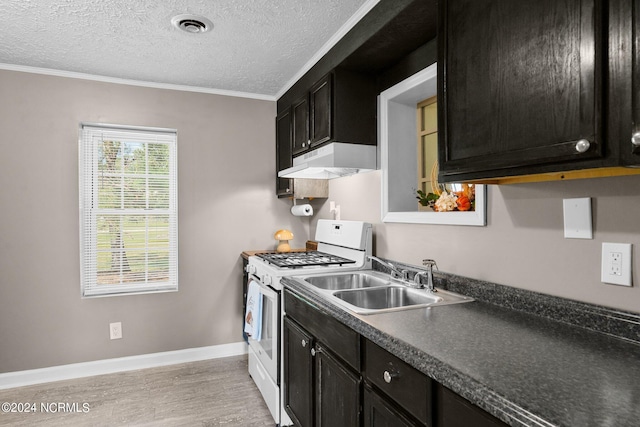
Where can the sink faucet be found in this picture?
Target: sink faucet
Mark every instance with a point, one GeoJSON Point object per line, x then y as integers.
{"type": "Point", "coordinates": [429, 263]}
{"type": "Point", "coordinates": [396, 273]}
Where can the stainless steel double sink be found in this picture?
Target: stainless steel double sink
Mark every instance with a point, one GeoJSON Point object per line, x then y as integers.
{"type": "Point", "coordinates": [369, 292]}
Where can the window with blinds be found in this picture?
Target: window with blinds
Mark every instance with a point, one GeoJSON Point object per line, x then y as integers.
{"type": "Point", "coordinates": [128, 210]}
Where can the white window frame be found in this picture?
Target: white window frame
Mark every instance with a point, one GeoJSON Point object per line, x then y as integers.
{"type": "Point", "coordinates": [91, 137]}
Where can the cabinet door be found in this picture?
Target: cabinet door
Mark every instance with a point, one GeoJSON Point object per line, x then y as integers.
{"type": "Point", "coordinates": [337, 392]}
{"type": "Point", "coordinates": [300, 125]}
{"type": "Point", "coordinates": [624, 79]}
{"type": "Point", "coordinates": [379, 413]}
{"type": "Point", "coordinates": [284, 186]}
{"type": "Point", "coordinates": [321, 120]}
{"type": "Point", "coordinates": [634, 158]}
{"type": "Point", "coordinates": [454, 411]}
{"type": "Point", "coordinates": [298, 374]}
{"type": "Point", "coordinates": [520, 85]}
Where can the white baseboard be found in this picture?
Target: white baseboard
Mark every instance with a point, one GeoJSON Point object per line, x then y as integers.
{"type": "Point", "coordinates": [121, 364]}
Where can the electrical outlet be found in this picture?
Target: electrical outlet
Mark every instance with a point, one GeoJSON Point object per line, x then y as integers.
{"type": "Point", "coordinates": [115, 330]}
{"type": "Point", "coordinates": [616, 263]}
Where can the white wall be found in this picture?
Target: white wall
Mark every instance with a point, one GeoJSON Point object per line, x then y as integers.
{"type": "Point", "coordinates": [403, 163]}
{"type": "Point", "coordinates": [227, 204]}
{"type": "Point", "coordinates": [523, 244]}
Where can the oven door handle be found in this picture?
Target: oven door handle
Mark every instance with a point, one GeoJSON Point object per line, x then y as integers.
{"type": "Point", "coordinates": [266, 290]}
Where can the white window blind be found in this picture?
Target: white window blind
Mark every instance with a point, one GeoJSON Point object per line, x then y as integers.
{"type": "Point", "coordinates": [128, 210]}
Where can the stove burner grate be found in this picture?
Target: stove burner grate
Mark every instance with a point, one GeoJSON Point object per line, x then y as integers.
{"type": "Point", "coordinates": [303, 259]}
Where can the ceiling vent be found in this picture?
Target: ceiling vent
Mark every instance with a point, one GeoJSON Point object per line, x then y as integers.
{"type": "Point", "coordinates": [192, 23]}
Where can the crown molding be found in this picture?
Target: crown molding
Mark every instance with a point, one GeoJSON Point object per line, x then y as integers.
{"type": "Point", "coordinates": [114, 80]}
{"type": "Point", "coordinates": [355, 18]}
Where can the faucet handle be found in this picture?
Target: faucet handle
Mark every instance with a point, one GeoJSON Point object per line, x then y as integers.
{"type": "Point", "coordinates": [429, 263]}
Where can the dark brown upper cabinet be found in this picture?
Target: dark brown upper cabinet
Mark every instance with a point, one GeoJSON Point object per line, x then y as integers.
{"type": "Point", "coordinates": [341, 106]}
{"type": "Point", "coordinates": [284, 186]}
{"type": "Point", "coordinates": [312, 117]}
{"type": "Point", "coordinates": [321, 111]}
{"type": "Point", "coordinates": [300, 125]}
{"type": "Point", "coordinates": [523, 89]}
{"type": "Point", "coordinates": [623, 123]}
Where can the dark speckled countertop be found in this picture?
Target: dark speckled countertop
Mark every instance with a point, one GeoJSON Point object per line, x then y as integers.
{"type": "Point", "coordinates": [527, 358]}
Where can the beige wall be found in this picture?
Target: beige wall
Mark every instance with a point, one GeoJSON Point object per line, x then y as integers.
{"type": "Point", "coordinates": [523, 244]}
{"type": "Point", "coordinates": [226, 205]}
{"type": "Point", "coordinates": [226, 153]}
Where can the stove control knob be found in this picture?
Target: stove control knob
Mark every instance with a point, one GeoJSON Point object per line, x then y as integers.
{"type": "Point", "coordinates": [251, 269]}
{"type": "Point", "coordinates": [266, 279]}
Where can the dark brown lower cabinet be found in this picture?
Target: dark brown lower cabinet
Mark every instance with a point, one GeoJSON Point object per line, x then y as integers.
{"type": "Point", "coordinates": [400, 383]}
{"type": "Point", "coordinates": [320, 390]}
{"type": "Point", "coordinates": [455, 411]}
{"type": "Point", "coordinates": [298, 374]}
{"type": "Point", "coordinates": [337, 392]}
{"type": "Point", "coordinates": [378, 412]}
{"type": "Point", "coordinates": [333, 377]}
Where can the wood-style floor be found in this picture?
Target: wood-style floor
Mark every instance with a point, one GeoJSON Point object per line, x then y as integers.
{"type": "Point", "coordinates": [216, 392]}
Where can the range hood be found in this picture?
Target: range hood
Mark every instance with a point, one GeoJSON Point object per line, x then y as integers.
{"type": "Point", "coordinates": [333, 160]}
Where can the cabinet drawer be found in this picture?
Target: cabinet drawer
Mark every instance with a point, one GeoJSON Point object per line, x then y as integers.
{"type": "Point", "coordinates": [342, 340]}
{"type": "Point", "coordinates": [407, 386]}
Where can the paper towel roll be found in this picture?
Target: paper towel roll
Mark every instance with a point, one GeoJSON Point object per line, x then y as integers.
{"type": "Point", "coordinates": [302, 210]}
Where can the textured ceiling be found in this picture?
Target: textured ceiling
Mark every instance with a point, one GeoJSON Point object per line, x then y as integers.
{"type": "Point", "coordinates": [255, 46]}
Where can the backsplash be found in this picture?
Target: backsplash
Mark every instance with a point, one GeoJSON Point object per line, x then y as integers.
{"type": "Point", "coordinates": [624, 325]}
{"type": "Point", "coordinates": [523, 244]}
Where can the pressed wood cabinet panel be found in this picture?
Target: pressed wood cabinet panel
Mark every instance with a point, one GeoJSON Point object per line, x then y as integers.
{"type": "Point", "coordinates": [300, 125]}
{"type": "Point", "coordinates": [454, 411]}
{"type": "Point", "coordinates": [624, 78]}
{"type": "Point", "coordinates": [321, 367]}
{"type": "Point", "coordinates": [378, 412]}
{"type": "Point", "coordinates": [284, 186]}
{"type": "Point", "coordinates": [298, 374]}
{"type": "Point", "coordinates": [406, 386]}
{"type": "Point", "coordinates": [321, 120]}
{"type": "Point", "coordinates": [337, 392]}
{"type": "Point", "coordinates": [520, 83]}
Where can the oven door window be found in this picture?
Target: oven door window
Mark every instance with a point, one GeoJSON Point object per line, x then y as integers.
{"type": "Point", "coordinates": [266, 349]}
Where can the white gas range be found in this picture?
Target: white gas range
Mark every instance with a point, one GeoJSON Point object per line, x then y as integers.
{"type": "Point", "coordinates": [342, 246]}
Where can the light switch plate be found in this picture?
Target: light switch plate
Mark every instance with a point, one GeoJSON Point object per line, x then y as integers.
{"type": "Point", "coordinates": [616, 264]}
{"type": "Point", "coordinates": [577, 218]}
{"type": "Point", "coordinates": [115, 330]}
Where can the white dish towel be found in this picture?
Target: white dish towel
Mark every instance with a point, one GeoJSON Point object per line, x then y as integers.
{"type": "Point", "coordinates": [253, 315]}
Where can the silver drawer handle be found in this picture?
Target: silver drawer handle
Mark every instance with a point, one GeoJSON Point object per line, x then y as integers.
{"type": "Point", "coordinates": [314, 351]}
{"type": "Point", "coordinates": [304, 343]}
{"type": "Point", "coordinates": [635, 139]}
{"type": "Point", "coordinates": [388, 376]}
{"type": "Point", "coordinates": [582, 146]}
